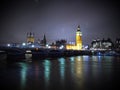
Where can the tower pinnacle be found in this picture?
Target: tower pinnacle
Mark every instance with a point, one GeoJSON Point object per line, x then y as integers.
{"type": "Point", "coordinates": [78, 29]}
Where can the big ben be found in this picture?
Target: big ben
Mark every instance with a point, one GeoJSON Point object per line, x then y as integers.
{"type": "Point", "coordinates": [78, 39]}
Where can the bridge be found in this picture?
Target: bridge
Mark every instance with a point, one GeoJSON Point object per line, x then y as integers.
{"type": "Point", "coordinates": [18, 54]}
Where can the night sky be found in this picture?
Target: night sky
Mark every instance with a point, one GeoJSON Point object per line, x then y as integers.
{"type": "Point", "coordinates": [58, 19]}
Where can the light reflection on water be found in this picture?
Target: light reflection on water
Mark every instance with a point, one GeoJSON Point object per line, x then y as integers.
{"type": "Point", "coordinates": [24, 69]}
{"type": "Point", "coordinates": [74, 73]}
{"type": "Point", "coordinates": [47, 65]}
{"type": "Point", "coordinates": [62, 68]}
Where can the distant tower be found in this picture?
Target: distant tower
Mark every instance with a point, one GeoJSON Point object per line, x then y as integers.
{"type": "Point", "coordinates": [30, 38]}
{"type": "Point", "coordinates": [44, 41]}
{"type": "Point", "coordinates": [78, 39]}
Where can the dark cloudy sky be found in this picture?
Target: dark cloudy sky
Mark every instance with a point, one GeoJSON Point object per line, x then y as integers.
{"type": "Point", "coordinates": [58, 19]}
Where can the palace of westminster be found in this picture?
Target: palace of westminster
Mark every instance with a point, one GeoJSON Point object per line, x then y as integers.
{"type": "Point", "coordinates": [104, 44]}
{"type": "Point", "coordinates": [95, 44]}
{"type": "Point", "coordinates": [76, 46]}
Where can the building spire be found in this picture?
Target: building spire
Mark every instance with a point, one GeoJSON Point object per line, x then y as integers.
{"type": "Point", "coordinates": [44, 40]}
{"type": "Point", "coordinates": [78, 29]}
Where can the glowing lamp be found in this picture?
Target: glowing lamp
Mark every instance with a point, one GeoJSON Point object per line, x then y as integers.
{"type": "Point", "coordinates": [23, 44]}
{"type": "Point", "coordinates": [8, 45]}
{"type": "Point", "coordinates": [33, 46]}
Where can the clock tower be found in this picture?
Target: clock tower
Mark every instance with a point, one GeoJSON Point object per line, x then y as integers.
{"type": "Point", "coordinates": [78, 39]}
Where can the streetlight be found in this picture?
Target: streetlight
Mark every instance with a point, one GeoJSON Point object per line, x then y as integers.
{"type": "Point", "coordinates": [8, 45]}
{"type": "Point", "coordinates": [23, 44]}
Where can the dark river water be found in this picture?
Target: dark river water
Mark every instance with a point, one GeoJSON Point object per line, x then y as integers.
{"type": "Point", "coordinates": [65, 73]}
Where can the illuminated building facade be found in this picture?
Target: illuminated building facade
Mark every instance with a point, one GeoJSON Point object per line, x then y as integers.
{"type": "Point", "coordinates": [78, 44]}
{"type": "Point", "coordinates": [78, 39]}
{"type": "Point", "coordinates": [30, 38]}
{"type": "Point", "coordinates": [102, 44]}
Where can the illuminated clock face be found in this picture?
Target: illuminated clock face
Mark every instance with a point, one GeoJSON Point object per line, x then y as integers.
{"type": "Point", "coordinates": [79, 33]}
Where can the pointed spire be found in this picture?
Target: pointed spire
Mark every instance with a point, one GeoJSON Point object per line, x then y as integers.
{"type": "Point", "coordinates": [78, 29]}
{"type": "Point", "coordinates": [78, 26]}
{"type": "Point", "coordinates": [32, 35]}
{"type": "Point", "coordinates": [44, 40]}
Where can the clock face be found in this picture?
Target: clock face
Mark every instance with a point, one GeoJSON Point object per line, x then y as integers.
{"type": "Point", "coordinates": [79, 33]}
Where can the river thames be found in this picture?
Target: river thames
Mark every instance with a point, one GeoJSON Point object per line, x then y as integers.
{"type": "Point", "coordinates": [65, 73]}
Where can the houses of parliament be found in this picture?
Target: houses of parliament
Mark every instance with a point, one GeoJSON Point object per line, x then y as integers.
{"type": "Point", "coordinates": [76, 46]}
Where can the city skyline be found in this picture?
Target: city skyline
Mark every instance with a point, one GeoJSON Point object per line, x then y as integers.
{"type": "Point", "coordinates": [58, 19]}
